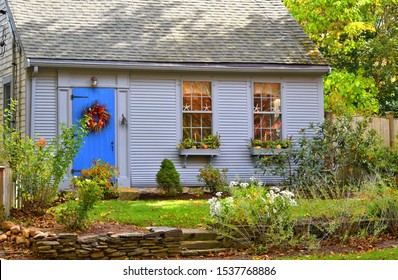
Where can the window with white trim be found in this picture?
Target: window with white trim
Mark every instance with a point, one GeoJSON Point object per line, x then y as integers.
{"type": "Point", "coordinates": [267, 111]}
{"type": "Point", "coordinates": [196, 109]}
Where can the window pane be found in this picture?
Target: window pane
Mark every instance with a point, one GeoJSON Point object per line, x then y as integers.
{"type": "Point", "coordinates": [196, 103]}
{"type": "Point", "coordinates": [266, 100]}
{"type": "Point", "coordinates": [187, 120]}
{"type": "Point", "coordinates": [206, 104]}
{"type": "Point", "coordinates": [186, 133]}
{"type": "Point", "coordinates": [196, 120]}
{"type": "Point", "coordinates": [197, 98]}
{"type": "Point", "coordinates": [206, 132]}
{"type": "Point", "coordinates": [206, 120]}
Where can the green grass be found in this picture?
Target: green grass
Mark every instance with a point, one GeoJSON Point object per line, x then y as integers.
{"type": "Point", "coordinates": [327, 208]}
{"type": "Point", "coordinates": [384, 254]}
{"type": "Point", "coordinates": [172, 213]}
{"type": "Point", "coordinates": [195, 213]}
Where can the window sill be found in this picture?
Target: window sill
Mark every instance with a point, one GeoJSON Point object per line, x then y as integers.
{"type": "Point", "coordinates": [197, 152]}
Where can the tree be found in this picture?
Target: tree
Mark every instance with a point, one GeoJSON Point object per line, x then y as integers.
{"type": "Point", "coordinates": [359, 39]}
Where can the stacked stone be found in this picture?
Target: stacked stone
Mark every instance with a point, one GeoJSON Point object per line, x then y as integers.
{"type": "Point", "coordinates": [11, 232]}
{"type": "Point", "coordinates": [157, 243]}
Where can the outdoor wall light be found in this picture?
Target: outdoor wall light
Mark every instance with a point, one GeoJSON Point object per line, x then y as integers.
{"type": "Point", "coordinates": [94, 81]}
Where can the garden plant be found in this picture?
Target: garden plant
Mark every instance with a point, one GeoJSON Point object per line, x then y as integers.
{"type": "Point", "coordinates": [38, 166]}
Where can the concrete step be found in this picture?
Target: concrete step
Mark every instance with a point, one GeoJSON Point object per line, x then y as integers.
{"type": "Point", "coordinates": [202, 252]}
{"type": "Point", "coordinates": [199, 245]}
{"type": "Point", "coordinates": [198, 234]}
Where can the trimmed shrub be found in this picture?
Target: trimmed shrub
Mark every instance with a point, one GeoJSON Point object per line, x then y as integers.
{"type": "Point", "coordinates": [214, 179]}
{"type": "Point", "coordinates": [168, 178]}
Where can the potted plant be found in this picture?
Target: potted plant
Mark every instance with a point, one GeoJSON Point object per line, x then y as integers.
{"type": "Point", "coordinates": [269, 147]}
{"type": "Point", "coordinates": [208, 146]}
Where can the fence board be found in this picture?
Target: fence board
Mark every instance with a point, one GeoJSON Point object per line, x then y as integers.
{"type": "Point", "coordinates": [382, 127]}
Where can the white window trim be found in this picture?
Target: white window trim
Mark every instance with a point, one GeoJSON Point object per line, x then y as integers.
{"type": "Point", "coordinates": [282, 112]}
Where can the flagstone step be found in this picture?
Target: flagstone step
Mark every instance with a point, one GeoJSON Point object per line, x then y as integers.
{"type": "Point", "coordinates": [199, 245]}
{"type": "Point", "coordinates": [198, 234]}
{"type": "Point", "coordinates": [202, 252]}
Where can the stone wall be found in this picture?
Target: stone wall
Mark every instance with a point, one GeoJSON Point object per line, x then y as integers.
{"type": "Point", "coordinates": [160, 242]}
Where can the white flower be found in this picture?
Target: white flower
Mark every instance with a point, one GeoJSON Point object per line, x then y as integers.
{"type": "Point", "coordinates": [219, 194]}
{"type": "Point", "coordinates": [253, 178]}
{"type": "Point", "coordinates": [244, 184]}
{"type": "Point", "coordinates": [260, 183]}
{"type": "Point", "coordinates": [276, 189]}
{"type": "Point", "coordinates": [233, 184]}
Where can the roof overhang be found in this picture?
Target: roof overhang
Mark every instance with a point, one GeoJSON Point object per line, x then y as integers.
{"type": "Point", "coordinates": [197, 67]}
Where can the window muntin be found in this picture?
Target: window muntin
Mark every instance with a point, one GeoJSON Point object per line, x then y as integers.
{"type": "Point", "coordinates": [196, 109]}
{"type": "Point", "coordinates": [267, 111]}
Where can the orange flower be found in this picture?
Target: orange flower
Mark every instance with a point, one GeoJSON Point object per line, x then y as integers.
{"type": "Point", "coordinates": [41, 142]}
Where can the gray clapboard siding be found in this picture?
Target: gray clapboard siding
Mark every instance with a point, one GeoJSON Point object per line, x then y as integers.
{"type": "Point", "coordinates": [302, 106]}
{"type": "Point", "coordinates": [152, 128]}
{"type": "Point", "coordinates": [45, 106]}
{"type": "Point", "coordinates": [234, 130]}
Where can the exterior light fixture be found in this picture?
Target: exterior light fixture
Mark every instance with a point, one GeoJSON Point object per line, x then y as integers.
{"type": "Point", "coordinates": [94, 81]}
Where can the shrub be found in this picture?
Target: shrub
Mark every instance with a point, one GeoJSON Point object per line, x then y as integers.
{"type": "Point", "coordinates": [214, 179]}
{"type": "Point", "coordinates": [73, 215]}
{"type": "Point", "coordinates": [103, 174]}
{"type": "Point", "coordinates": [38, 167]}
{"type": "Point", "coordinates": [168, 178]}
{"type": "Point", "coordinates": [328, 156]}
{"type": "Point", "coordinates": [254, 216]}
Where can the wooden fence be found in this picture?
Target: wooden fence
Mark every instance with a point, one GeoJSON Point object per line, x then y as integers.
{"type": "Point", "coordinates": [7, 192]}
{"type": "Point", "coordinates": [387, 127]}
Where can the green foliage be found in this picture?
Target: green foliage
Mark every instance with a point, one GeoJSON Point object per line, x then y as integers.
{"type": "Point", "coordinates": [254, 216]}
{"type": "Point", "coordinates": [349, 93]}
{"type": "Point", "coordinates": [208, 142]}
{"type": "Point", "coordinates": [384, 206]}
{"type": "Point", "coordinates": [357, 36]}
{"type": "Point", "coordinates": [74, 214]}
{"type": "Point", "coordinates": [38, 167]}
{"type": "Point", "coordinates": [274, 144]}
{"type": "Point", "coordinates": [103, 174]}
{"type": "Point", "coordinates": [330, 155]}
{"type": "Point", "coordinates": [214, 179]}
{"type": "Point", "coordinates": [168, 178]}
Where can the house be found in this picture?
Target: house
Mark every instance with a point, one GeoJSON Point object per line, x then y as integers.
{"type": "Point", "coordinates": [158, 72]}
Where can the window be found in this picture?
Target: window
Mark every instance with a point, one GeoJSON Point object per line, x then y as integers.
{"type": "Point", "coordinates": [267, 111]}
{"type": "Point", "coordinates": [196, 109]}
{"type": "Point", "coordinates": [7, 96]}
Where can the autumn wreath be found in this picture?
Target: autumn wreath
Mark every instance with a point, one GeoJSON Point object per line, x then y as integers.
{"type": "Point", "coordinates": [97, 117]}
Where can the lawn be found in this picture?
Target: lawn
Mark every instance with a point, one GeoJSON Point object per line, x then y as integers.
{"type": "Point", "coordinates": [383, 254]}
{"type": "Point", "coordinates": [172, 213]}
{"type": "Point", "coordinates": [195, 213]}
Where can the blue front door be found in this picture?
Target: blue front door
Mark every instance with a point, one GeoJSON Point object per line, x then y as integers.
{"type": "Point", "coordinates": [97, 144]}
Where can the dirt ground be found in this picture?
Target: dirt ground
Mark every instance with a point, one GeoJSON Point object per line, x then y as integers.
{"type": "Point", "coordinates": [46, 223]}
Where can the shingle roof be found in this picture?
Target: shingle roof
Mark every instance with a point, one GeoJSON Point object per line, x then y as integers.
{"type": "Point", "coordinates": [194, 31]}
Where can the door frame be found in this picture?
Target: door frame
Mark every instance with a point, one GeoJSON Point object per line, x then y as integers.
{"type": "Point", "coordinates": [120, 82]}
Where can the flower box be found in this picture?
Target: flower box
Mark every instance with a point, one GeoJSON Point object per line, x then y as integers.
{"type": "Point", "coordinates": [264, 152]}
{"type": "Point", "coordinates": [197, 152]}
